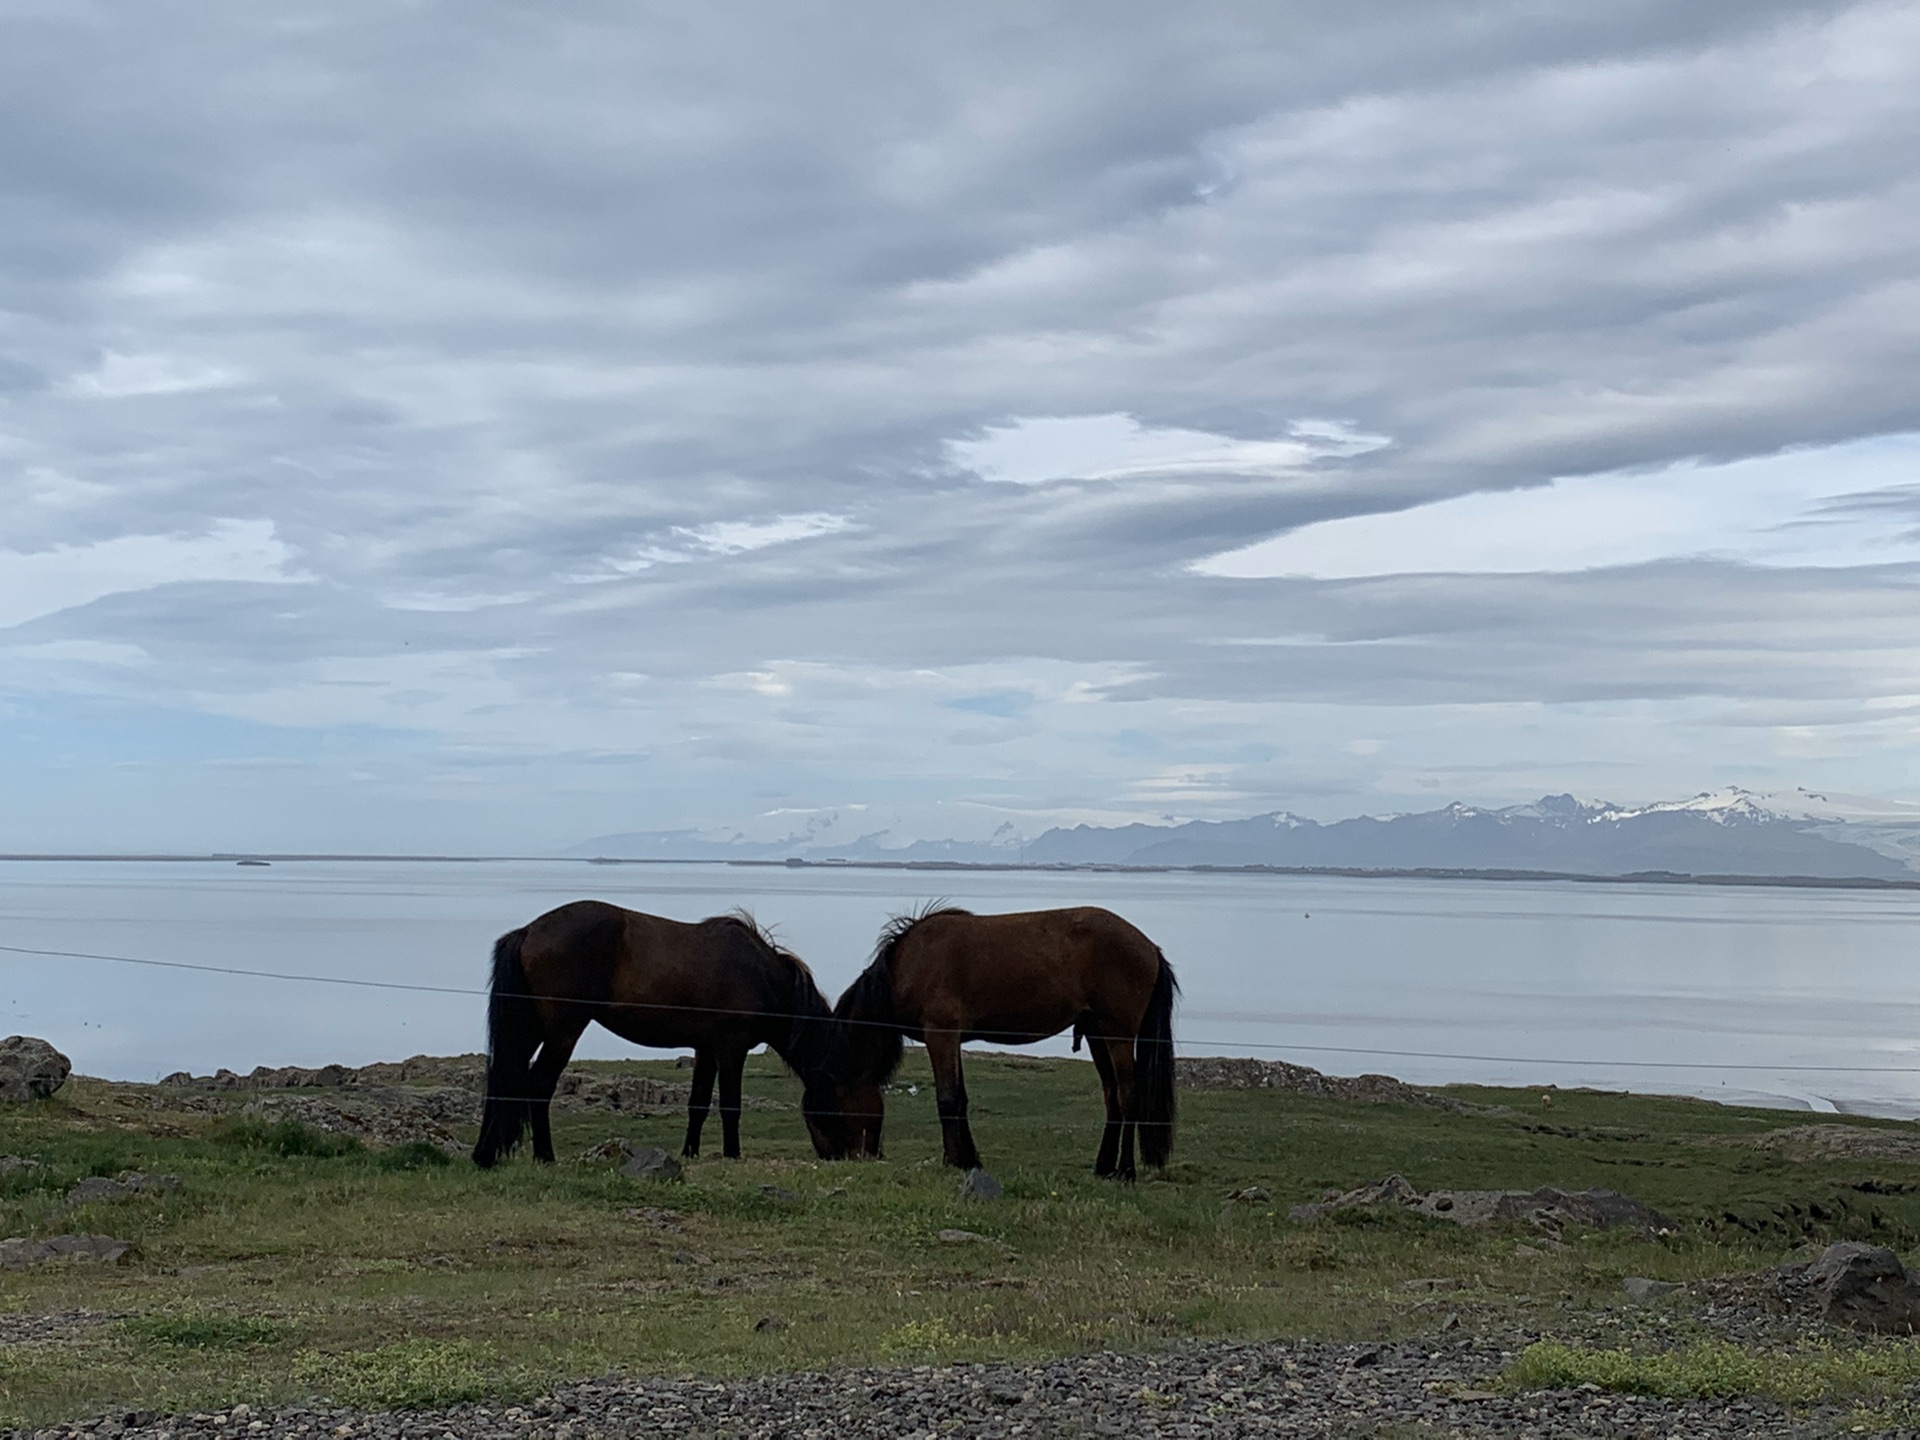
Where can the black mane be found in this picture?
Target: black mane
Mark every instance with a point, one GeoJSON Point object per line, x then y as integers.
{"type": "Point", "coordinates": [866, 1010]}
{"type": "Point", "coordinates": [806, 1035]}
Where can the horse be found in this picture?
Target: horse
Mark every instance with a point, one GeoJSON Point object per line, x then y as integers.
{"type": "Point", "coordinates": [719, 985]}
{"type": "Point", "coordinates": [944, 976]}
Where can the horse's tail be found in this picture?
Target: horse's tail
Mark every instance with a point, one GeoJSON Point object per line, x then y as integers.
{"type": "Point", "coordinates": [513, 1034]}
{"type": "Point", "coordinates": [1153, 1070]}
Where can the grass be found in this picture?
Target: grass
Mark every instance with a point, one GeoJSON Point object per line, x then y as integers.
{"type": "Point", "coordinates": [1717, 1369]}
{"type": "Point", "coordinates": [290, 1263]}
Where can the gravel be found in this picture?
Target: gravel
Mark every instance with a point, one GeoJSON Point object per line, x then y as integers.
{"type": "Point", "coordinates": [1434, 1388]}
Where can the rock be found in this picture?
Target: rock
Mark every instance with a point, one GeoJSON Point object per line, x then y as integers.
{"type": "Point", "coordinates": [1217, 1072]}
{"type": "Point", "coordinates": [649, 1162]}
{"type": "Point", "coordinates": [979, 1185]}
{"type": "Point", "coordinates": [30, 1069]}
{"type": "Point", "coordinates": [780, 1195]}
{"type": "Point", "coordinates": [18, 1254]}
{"type": "Point", "coordinates": [13, 1164]}
{"type": "Point", "coordinates": [1639, 1287]}
{"type": "Point", "coordinates": [961, 1237]}
{"type": "Point", "coordinates": [1547, 1208]}
{"type": "Point", "coordinates": [1855, 1285]}
{"type": "Point", "coordinates": [124, 1186]}
{"type": "Point", "coordinates": [767, 1323]}
{"type": "Point", "coordinates": [1253, 1195]}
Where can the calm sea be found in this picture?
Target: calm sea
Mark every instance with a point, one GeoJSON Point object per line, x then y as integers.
{"type": "Point", "coordinates": [1798, 998]}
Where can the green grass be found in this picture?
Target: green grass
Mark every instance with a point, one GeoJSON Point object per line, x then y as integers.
{"type": "Point", "coordinates": [1717, 1369]}
{"type": "Point", "coordinates": [290, 1263]}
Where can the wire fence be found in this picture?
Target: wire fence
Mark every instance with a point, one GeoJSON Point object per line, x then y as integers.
{"type": "Point", "coordinates": [1183, 1041]}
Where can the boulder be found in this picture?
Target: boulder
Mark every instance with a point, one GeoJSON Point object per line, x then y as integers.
{"type": "Point", "coordinates": [979, 1185]}
{"type": "Point", "coordinates": [30, 1069]}
{"type": "Point", "coordinates": [649, 1162]}
{"type": "Point", "coordinates": [1639, 1287]}
{"type": "Point", "coordinates": [1854, 1285]}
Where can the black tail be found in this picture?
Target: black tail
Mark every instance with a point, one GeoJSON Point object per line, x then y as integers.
{"type": "Point", "coordinates": [513, 1034]}
{"type": "Point", "coordinates": [1153, 1070]}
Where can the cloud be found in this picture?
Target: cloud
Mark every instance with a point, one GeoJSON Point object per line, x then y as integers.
{"type": "Point", "coordinates": [882, 370]}
{"type": "Point", "coordinates": [1118, 447]}
{"type": "Point", "coordinates": [1843, 506]}
{"type": "Point", "coordinates": [38, 583]}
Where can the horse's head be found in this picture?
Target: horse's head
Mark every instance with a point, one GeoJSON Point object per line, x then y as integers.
{"type": "Point", "coordinates": [843, 1119]}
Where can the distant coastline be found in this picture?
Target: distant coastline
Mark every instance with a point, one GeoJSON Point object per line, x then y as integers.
{"type": "Point", "coordinates": [1064, 867]}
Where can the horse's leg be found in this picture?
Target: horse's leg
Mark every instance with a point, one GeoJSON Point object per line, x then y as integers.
{"type": "Point", "coordinates": [699, 1101]}
{"type": "Point", "coordinates": [1120, 1057]}
{"type": "Point", "coordinates": [731, 1062]}
{"type": "Point", "coordinates": [950, 1092]}
{"type": "Point", "coordinates": [1110, 1138]}
{"type": "Point", "coordinates": [544, 1075]}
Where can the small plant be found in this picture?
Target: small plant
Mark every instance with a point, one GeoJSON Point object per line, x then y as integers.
{"type": "Point", "coordinates": [412, 1375]}
{"type": "Point", "coordinates": [285, 1138]}
{"type": "Point", "coordinates": [414, 1155]}
{"type": "Point", "coordinates": [203, 1332]}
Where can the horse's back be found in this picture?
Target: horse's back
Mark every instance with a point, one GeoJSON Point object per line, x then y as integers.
{"type": "Point", "coordinates": [1035, 970]}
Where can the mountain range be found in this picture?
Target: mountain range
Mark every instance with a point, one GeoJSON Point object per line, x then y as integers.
{"type": "Point", "coordinates": [1727, 832]}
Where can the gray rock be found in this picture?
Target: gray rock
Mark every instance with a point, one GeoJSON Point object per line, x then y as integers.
{"type": "Point", "coordinates": [1547, 1208]}
{"type": "Point", "coordinates": [1253, 1195]}
{"type": "Point", "coordinates": [30, 1069]}
{"type": "Point", "coordinates": [1639, 1287]}
{"type": "Point", "coordinates": [979, 1185]}
{"type": "Point", "coordinates": [18, 1254]}
{"type": "Point", "coordinates": [768, 1323]}
{"type": "Point", "coordinates": [1855, 1285]}
{"type": "Point", "coordinates": [961, 1237]}
{"type": "Point", "coordinates": [124, 1186]}
{"type": "Point", "coordinates": [651, 1163]}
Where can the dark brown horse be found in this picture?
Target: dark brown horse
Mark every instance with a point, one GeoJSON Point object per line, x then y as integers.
{"type": "Point", "coordinates": [945, 976]}
{"type": "Point", "coordinates": [720, 986]}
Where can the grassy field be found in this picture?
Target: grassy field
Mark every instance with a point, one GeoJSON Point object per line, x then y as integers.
{"type": "Point", "coordinates": [287, 1265]}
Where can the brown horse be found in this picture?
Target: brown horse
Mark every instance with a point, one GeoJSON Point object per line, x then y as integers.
{"type": "Point", "coordinates": [946, 976]}
{"type": "Point", "coordinates": [720, 986]}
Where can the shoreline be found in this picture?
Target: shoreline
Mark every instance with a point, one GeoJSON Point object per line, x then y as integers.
{"type": "Point", "coordinates": [1075, 867]}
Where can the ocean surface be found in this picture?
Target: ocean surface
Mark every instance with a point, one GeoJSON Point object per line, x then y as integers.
{"type": "Point", "coordinates": [1804, 999]}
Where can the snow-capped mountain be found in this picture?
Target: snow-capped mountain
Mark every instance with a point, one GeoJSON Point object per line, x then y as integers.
{"type": "Point", "coordinates": [1721, 832]}
{"type": "Point", "coordinates": [1727, 832]}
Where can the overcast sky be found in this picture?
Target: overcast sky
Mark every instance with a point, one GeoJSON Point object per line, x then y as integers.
{"type": "Point", "coordinates": [479, 427]}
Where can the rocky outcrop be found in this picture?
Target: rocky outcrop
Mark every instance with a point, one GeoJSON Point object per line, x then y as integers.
{"type": "Point", "coordinates": [30, 1069]}
{"type": "Point", "coordinates": [1547, 1208]}
{"type": "Point", "coordinates": [1853, 1285]}
{"type": "Point", "coordinates": [1224, 1072]}
{"type": "Point", "coordinates": [19, 1254]}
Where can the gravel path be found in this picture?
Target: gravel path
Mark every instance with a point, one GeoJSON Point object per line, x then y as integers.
{"type": "Point", "coordinates": [1395, 1392]}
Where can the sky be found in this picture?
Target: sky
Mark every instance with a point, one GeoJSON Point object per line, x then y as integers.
{"type": "Point", "coordinates": [476, 428]}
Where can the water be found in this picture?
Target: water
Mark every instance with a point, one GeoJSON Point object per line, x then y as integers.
{"type": "Point", "coordinates": [1811, 997]}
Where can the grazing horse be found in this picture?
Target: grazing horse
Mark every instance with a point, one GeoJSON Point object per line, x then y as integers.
{"type": "Point", "coordinates": [719, 985]}
{"type": "Point", "coordinates": [945, 976]}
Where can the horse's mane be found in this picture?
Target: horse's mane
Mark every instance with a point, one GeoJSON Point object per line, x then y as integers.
{"type": "Point", "coordinates": [812, 1040]}
{"type": "Point", "coordinates": [895, 930]}
{"type": "Point", "coordinates": [867, 1007]}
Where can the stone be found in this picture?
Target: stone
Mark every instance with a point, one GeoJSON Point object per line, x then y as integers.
{"type": "Point", "coordinates": [17, 1254]}
{"type": "Point", "coordinates": [767, 1323]}
{"type": "Point", "coordinates": [1547, 1208]}
{"type": "Point", "coordinates": [1253, 1195]}
{"type": "Point", "coordinates": [124, 1186]}
{"type": "Point", "coordinates": [979, 1185]}
{"type": "Point", "coordinates": [30, 1069]}
{"type": "Point", "coordinates": [961, 1237]}
{"type": "Point", "coordinates": [1854, 1285]}
{"type": "Point", "coordinates": [780, 1194]}
{"type": "Point", "coordinates": [650, 1162]}
{"type": "Point", "coordinates": [1639, 1287]}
